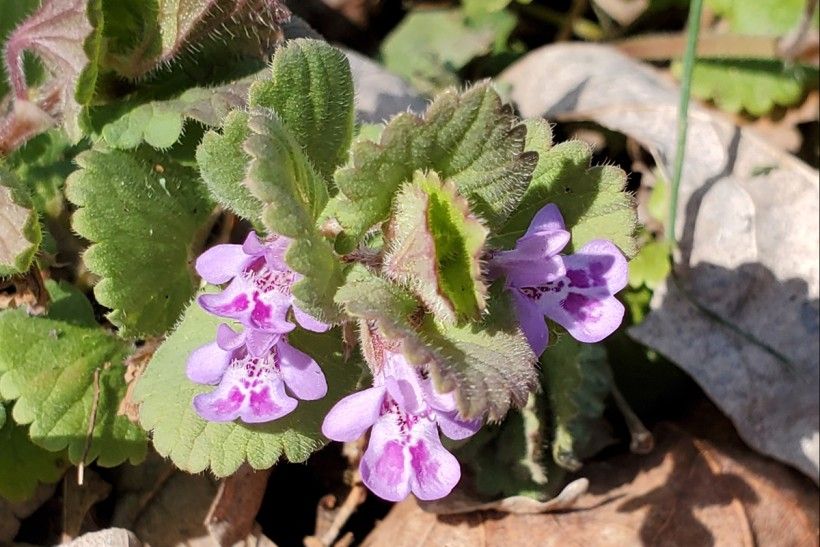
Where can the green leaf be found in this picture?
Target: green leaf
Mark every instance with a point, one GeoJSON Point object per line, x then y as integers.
{"type": "Point", "coordinates": [470, 139]}
{"type": "Point", "coordinates": [161, 123]}
{"type": "Point", "coordinates": [293, 195]}
{"type": "Point", "coordinates": [591, 200]}
{"type": "Point", "coordinates": [42, 166]}
{"type": "Point", "coordinates": [195, 445]}
{"type": "Point", "coordinates": [145, 218]}
{"type": "Point", "coordinates": [311, 89]}
{"type": "Point", "coordinates": [434, 247]}
{"type": "Point", "coordinates": [222, 164]}
{"type": "Point", "coordinates": [144, 37]}
{"type": "Point", "coordinates": [20, 236]}
{"type": "Point", "coordinates": [489, 365]}
{"type": "Point", "coordinates": [761, 17]}
{"type": "Point", "coordinates": [69, 305]}
{"type": "Point", "coordinates": [508, 459]}
{"type": "Point", "coordinates": [48, 367]}
{"type": "Point", "coordinates": [578, 380]}
{"type": "Point", "coordinates": [23, 464]}
{"type": "Point", "coordinates": [430, 46]}
{"type": "Point", "coordinates": [754, 85]}
{"type": "Point", "coordinates": [651, 266]}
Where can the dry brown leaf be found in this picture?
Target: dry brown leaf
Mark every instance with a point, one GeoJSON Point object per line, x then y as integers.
{"type": "Point", "coordinates": [79, 499]}
{"type": "Point", "coordinates": [748, 241]}
{"type": "Point", "coordinates": [232, 515]}
{"type": "Point", "coordinates": [689, 492]}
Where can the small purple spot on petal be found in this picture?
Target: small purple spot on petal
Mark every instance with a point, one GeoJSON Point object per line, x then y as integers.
{"type": "Point", "coordinates": [390, 466]}
{"type": "Point", "coordinates": [261, 403]}
{"type": "Point", "coordinates": [424, 466]}
{"type": "Point", "coordinates": [581, 307]}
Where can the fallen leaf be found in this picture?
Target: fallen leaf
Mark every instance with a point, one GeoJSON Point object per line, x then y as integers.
{"type": "Point", "coordinates": [748, 241]}
{"type": "Point", "coordinates": [79, 499]}
{"type": "Point", "coordinates": [688, 492]}
{"type": "Point", "coordinates": [232, 515]}
{"type": "Point", "coordinates": [110, 537]}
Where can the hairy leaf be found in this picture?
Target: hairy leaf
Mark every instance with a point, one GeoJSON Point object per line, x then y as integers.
{"type": "Point", "coordinates": [42, 166]}
{"type": "Point", "coordinates": [470, 139]}
{"type": "Point", "coordinates": [14, 12]}
{"type": "Point", "coordinates": [292, 194]}
{"type": "Point", "coordinates": [67, 37]}
{"type": "Point", "coordinates": [143, 36]}
{"type": "Point", "coordinates": [508, 459]}
{"type": "Point", "coordinates": [222, 164]}
{"type": "Point", "coordinates": [161, 123]}
{"type": "Point", "coordinates": [311, 90]}
{"type": "Point", "coordinates": [145, 218]}
{"type": "Point", "coordinates": [434, 247]}
{"type": "Point", "coordinates": [48, 367]}
{"type": "Point", "coordinates": [194, 444]}
{"type": "Point", "coordinates": [23, 464]}
{"type": "Point", "coordinates": [20, 235]}
{"type": "Point", "coordinates": [578, 380]}
{"type": "Point", "coordinates": [490, 365]}
{"type": "Point", "coordinates": [591, 200]}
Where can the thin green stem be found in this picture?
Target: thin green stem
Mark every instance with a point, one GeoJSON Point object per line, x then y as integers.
{"type": "Point", "coordinates": [695, 9]}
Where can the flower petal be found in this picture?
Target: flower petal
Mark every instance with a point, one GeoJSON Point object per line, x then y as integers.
{"type": "Point", "coordinates": [598, 267]}
{"type": "Point", "coordinates": [308, 321]}
{"type": "Point", "coordinates": [207, 364]}
{"type": "Point", "coordinates": [253, 246]}
{"type": "Point", "coordinates": [455, 428]}
{"type": "Point", "coordinates": [246, 392]}
{"type": "Point", "coordinates": [588, 319]}
{"type": "Point", "coordinates": [534, 272]}
{"type": "Point", "coordinates": [531, 318]}
{"type": "Point", "coordinates": [269, 312]}
{"type": "Point", "coordinates": [221, 263]}
{"type": "Point", "coordinates": [234, 302]}
{"type": "Point", "coordinates": [302, 375]}
{"type": "Point", "coordinates": [259, 343]}
{"type": "Point", "coordinates": [385, 466]}
{"type": "Point", "coordinates": [547, 219]}
{"type": "Point", "coordinates": [353, 415]}
{"type": "Point", "coordinates": [228, 339]}
{"type": "Point", "coordinates": [403, 382]}
{"type": "Point", "coordinates": [435, 471]}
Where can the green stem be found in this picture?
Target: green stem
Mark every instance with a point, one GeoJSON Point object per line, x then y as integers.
{"type": "Point", "coordinates": [695, 9]}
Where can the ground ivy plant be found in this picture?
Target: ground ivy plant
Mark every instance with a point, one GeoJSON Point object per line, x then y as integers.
{"type": "Point", "coordinates": [447, 275]}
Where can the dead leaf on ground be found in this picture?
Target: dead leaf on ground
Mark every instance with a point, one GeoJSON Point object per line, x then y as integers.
{"type": "Point", "coordinates": [688, 492]}
{"type": "Point", "coordinates": [79, 499]}
{"type": "Point", "coordinates": [748, 236]}
{"type": "Point", "coordinates": [232, 516]}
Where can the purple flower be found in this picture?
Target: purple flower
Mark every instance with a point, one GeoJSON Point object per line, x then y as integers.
{"type": "Point", "coordinates": [576, 291]}
{"type": "Point", "coordinates": [405, 413]}
{"type": "Point", "coordinates": [259, 294]}
{"type": "Point", "coordinates": [255, 382]}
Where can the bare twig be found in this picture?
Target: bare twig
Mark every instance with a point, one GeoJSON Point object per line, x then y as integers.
{"type": "Point", "coordinates": [642, 440]}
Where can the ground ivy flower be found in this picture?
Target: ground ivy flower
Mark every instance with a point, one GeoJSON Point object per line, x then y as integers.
{"type": "Point", "coordinates": [259, 293]}
{"type": "Point", "coordinates": [254, 383]}
{"type": "Point", "coordinates": [405, 413]}
{"type": "Point", "coordinates": [576, 291]}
